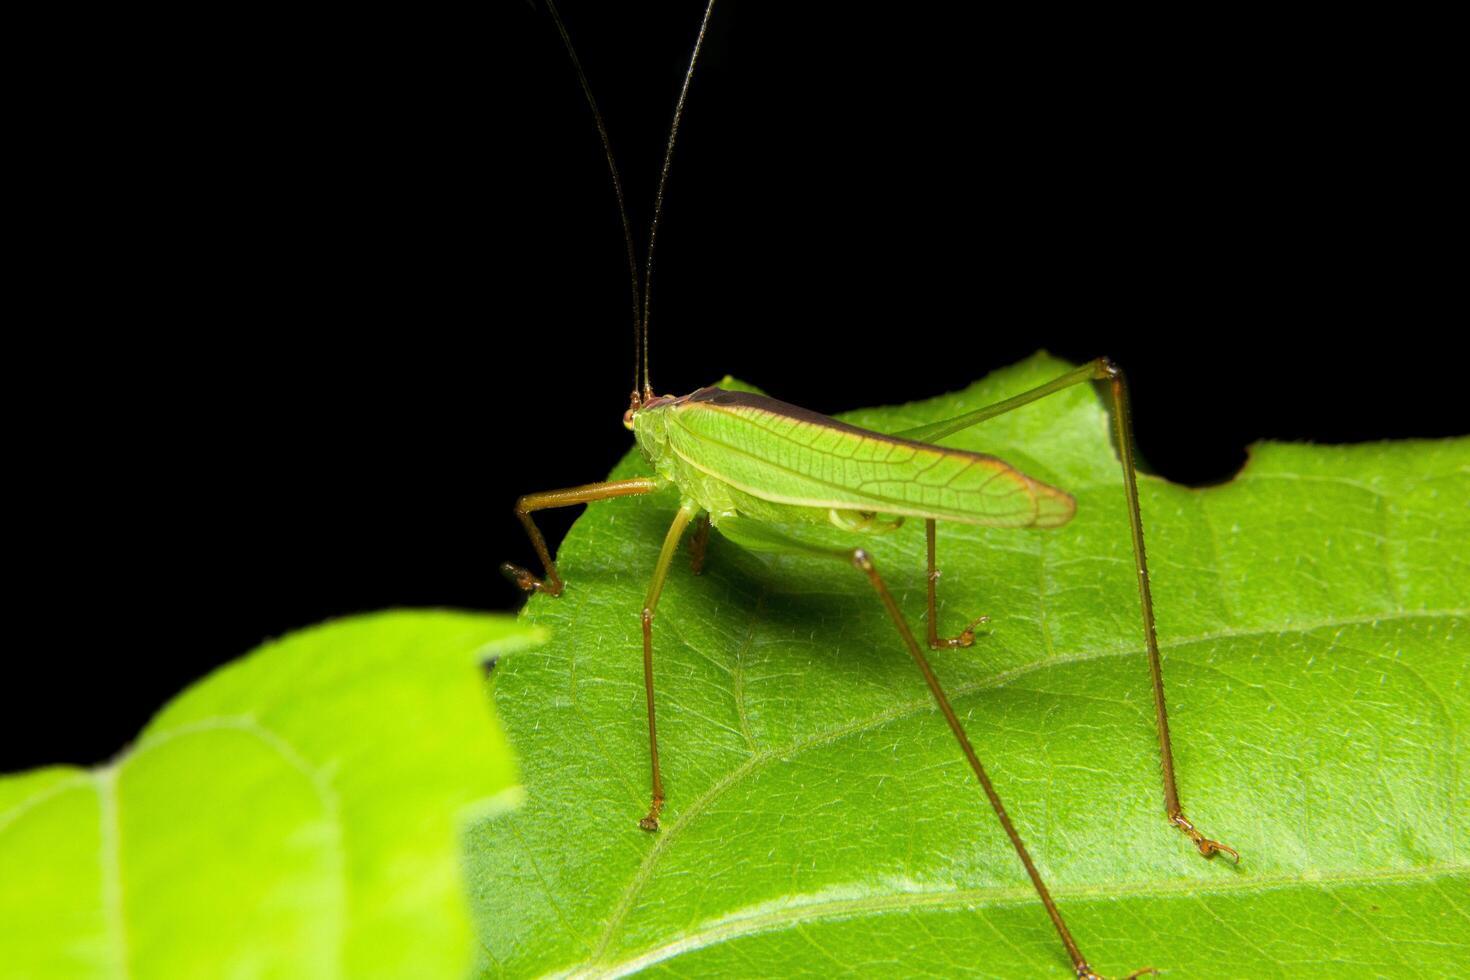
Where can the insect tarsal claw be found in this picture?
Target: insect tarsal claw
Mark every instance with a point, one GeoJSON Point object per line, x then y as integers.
{"type": "Point", "coordinates": [527, 582]}
{"type": "Point", "coordinates": [650, 822]}
{"type": "Point", "coordinates": [1207, 847]}
{"type": "Point", "coordinates": [518, 575]}
{"type": "Point", "coordinates": [1084, 972]}
{"type": "Point", "coordinates": [965, 638]}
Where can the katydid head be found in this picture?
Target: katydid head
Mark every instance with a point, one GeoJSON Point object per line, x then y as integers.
{"type": "Point", "coordinates": [641, 402]}
{"type": "Point", "coordinates": [642, 395]}
{"type": "Point", "coordinates": [649, 423]}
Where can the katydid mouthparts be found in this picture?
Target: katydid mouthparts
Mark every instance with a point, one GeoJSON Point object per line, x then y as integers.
{"type": "Point", "coordinates": [756, 470]}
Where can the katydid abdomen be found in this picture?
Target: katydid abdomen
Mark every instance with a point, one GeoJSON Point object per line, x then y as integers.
{"type": "Point", "coordinates": [733, 453]}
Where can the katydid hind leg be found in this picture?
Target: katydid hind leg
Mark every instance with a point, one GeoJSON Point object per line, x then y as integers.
{"type": "Point", "coordinates": [1123, 431]}
{"type": "Point", "coordinates": [760, 537]}
{"type": "Point", "coordinates": [863, 563]}
{"type": "Point", "coordinates": [588, 493]}
{"type": "Point", "coordinates": [966, 636]}
{"type": "Point", "coordinates": [650, 606]}
{"type": "Point", "coordinates": [1104, 370]}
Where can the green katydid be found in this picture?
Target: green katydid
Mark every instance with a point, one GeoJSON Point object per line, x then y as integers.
{"type": "Point", "coordinates": [756, 470]}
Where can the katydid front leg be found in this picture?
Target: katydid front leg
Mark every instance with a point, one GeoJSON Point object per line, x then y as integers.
{"type": "Point", "coordinates": [587, 493]}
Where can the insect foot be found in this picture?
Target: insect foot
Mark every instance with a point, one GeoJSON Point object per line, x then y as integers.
{"type": "Point", "coordinates": [650, 822]}
{"type": "Point", "coordinates": [528, 582]}
{"type": "Point", "coordinates": [1084, 972]}
{"type": "Point", "coordinates": [965, 638]}
{"type": "Point", "coordinates": [1208, 848]}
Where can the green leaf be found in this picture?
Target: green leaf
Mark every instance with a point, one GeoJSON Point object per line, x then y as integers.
{"type": "Point", "coordinates": [295, 814]}
{"type": "Point", "coordinates": [820, 818]}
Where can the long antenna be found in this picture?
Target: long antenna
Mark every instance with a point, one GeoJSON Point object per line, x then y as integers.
{"type": "Point", "coordinates": [639, 351]}
{"type": "Point", "coordinates": [658, 203]}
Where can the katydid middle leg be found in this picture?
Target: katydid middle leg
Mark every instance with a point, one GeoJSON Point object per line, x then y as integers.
{"type": "Point", "coordinates": [936, 642]}
{"type": "Point", "coordinates": [686, 513]}
{"type": "Point", "coordinates": [1102, 369]}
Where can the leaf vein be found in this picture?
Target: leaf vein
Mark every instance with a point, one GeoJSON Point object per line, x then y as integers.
{"type": "Point", "coordinates": [672, 833]}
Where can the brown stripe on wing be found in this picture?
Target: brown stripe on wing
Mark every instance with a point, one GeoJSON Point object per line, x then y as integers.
{"type": "Point", "coordinates": [745, 399]}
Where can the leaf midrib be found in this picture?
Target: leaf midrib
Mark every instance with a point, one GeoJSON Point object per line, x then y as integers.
{"type": "Point", "coordinates": [109, 856]}
{"type": "Point", "coordinates": [737, 926]}
{"type": "Point", "coordinates": [759, 759]}
{"type": "Point", "coordinates": [103, 780]}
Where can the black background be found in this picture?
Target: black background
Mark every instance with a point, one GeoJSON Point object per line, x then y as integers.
{"type": "Point", "coordinates": [301, 303]}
